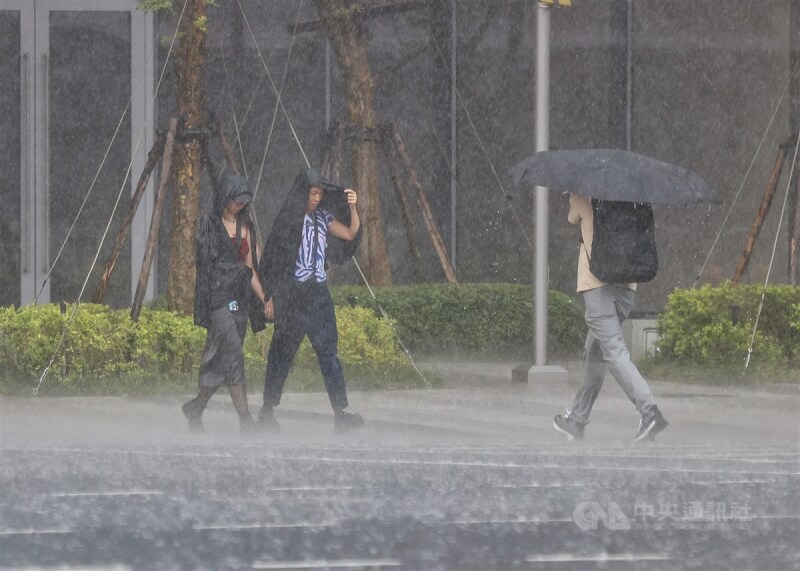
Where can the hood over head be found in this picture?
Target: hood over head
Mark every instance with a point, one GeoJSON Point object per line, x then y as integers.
{"type": "Point", "coordinates": [231, 186]}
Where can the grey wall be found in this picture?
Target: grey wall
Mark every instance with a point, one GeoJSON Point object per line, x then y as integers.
{"type": "Point", "coordinates": [707, 76]}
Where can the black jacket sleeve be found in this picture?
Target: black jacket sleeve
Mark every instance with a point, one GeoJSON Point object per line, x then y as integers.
{"type": "Point", "coordinates": [204, 259]}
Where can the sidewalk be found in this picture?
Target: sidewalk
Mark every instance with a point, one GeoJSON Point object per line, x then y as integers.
{"type": "Point", "coordinates": [479, 406]}
{"type": "Point", "coordinates": [491, 373]}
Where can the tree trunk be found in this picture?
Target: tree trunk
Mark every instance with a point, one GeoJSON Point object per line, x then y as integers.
{"type": "Point", "coordinates": [190, 60]}
{"type": "Point", "coordinates": [347, 31]}
{"type": "Point", "coordinates": [794, 129]}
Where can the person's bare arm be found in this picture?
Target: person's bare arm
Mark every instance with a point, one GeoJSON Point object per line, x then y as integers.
{"type": "Point", "coordinates": [577, 204]}
{"type": "Point", "coordinates": [340, 230]}
{"type": "Point", "coordinates": [255, 281]}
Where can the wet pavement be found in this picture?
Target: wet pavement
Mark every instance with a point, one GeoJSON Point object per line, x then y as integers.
{"type": "Point", "coordinates": [468, 477]}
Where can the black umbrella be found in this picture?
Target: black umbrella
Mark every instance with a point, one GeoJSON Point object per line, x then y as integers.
{"type": "Point", "coordinates": [610, 174]}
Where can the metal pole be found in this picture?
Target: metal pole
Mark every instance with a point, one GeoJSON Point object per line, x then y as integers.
{"type": "Point", "coordinates": [541, 210]}
{"type": "Point", "coordinates": [453, 132]}
{"type": "Point", "coordinates": [327, 85]}
{"type": "Point", "coordinates": [629, 79]}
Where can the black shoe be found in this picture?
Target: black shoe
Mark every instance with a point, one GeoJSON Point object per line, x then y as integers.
{"type": "Point", "coordinates": [651, 423]}
{"type": "Point", "coordinates": [266, 421]}
{"type": "Point", "coordinates": [347, 421]}
{"type": "Point", "coordinates": [566, 425]}
{"type": "Point", "coordinates": [194, 415]}
{"type": "Point", "coordinates": [247, 425]}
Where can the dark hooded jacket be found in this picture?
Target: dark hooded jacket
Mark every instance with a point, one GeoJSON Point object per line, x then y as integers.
{"type": "Point", "coordinates": [221, 276]}
{"type": "Point", "coordinates": [280, 250]}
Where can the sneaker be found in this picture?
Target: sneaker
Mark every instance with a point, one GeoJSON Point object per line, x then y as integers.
{"type": "Point", "coordinates": [651, 423]}
{"type": "Point", "coordinates": [193, 415]}
{"type": "Point", "coordinates": [266, 421]}
{"type": "Point", "coordinates": [566, 425]}
{"type": "Point", "coordinates": [347, 421]}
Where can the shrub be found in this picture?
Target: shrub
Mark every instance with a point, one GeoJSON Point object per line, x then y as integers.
{"type": "Point", "coordinates": [476, 318]}
{"type": "Point", "coordinates": [105, 352]}
{"type": "Point", "coordinates": [700, 327]}
{"type": "Point", "coordinates": [168, 342]}
{"type": "Point", "coordinates": [28, 338]}
{"type": "Point", "coordinates": [98, 343]}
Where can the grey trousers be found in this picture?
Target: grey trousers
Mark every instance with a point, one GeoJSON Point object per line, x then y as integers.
{"type": "Point", "coordinates": [606, 308]}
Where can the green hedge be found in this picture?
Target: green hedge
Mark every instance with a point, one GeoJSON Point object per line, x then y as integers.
{"type": "Point", "coordinates": [105, 352]}
{"type": "Point", "coordinates": [697, 328]}
{"type": "Point", "coordinates": [480, 319]}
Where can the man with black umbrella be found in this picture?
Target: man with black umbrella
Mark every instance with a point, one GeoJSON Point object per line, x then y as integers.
{"type": "Point", "coordinates": [622, 186]}
{"type": "Point", "coordinates": [607, 305]}
{"type": "Point", "coordinates": [318, 222]}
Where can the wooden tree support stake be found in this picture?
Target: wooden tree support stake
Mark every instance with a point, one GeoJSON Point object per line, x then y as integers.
{"type": "Point", "coordinates": [155, 222]}
{"type": "Point", "coordinates": [122, 233]}
{"type": "Point", "coordinates": [794, 236]}
{"type": "Point", "coordinates": [227, 150]}
{"type": "Point", "coordinates": [427, 214]}
{"type": "Point", "coordinates": [210, 167]}
{"type": "Point", "coordinates": [769, 194]}
{"type": "Point", "coordinates": [397, 181]}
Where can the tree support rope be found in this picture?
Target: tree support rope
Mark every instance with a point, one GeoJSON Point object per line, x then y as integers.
{"type": "Point", "coordinates": [111, 217]}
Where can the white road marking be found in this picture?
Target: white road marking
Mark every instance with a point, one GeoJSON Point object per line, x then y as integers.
{"type": "Point", "coordinates": [111, 494]}
{"type": "Point", "coordinates": [32, 531]}
{"type": "Point", "coordinates": [497, 521]}
{"type": "Point", "coordinates": [328, 564]}
{"type": "Point", "coordinates": [243, 526]}
{"type": "Point", "coordinates": [528, 486]}
{"type": "Point", "coordinates": [744, 482]}
{"type": "Point", "coordinates": [728, 457]}
{"type": "Point", "coordinates": [602, 557]}
{"type": "Point", "coordinates": [310, 488]}
{"type": "Point", "coordinates": [637, 469]}
{"type": "Point", "coordinates": [300, 525]}
{"type": "Point", "coordinates": [116, 567]}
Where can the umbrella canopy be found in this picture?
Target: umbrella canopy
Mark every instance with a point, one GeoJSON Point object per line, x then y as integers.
{"type": "Point", "coordinates": [611, 174]}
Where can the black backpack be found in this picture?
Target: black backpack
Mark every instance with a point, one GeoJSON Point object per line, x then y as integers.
{"type": "Point", "coordinates": [624, 245]}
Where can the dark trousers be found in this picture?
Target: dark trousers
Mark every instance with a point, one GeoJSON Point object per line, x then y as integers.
{"type": "Point", "coordinates": [300, 310]}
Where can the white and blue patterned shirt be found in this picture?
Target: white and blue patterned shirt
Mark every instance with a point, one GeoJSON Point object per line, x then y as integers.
{"type": "Point", "coordinates": [305, 268]}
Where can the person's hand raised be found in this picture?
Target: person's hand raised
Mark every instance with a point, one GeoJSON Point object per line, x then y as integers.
{"type": "Point", "coordinates": [352, 197]}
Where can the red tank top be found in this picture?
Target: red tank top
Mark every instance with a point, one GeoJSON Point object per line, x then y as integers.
{"type": "Point", "coordinates": [244, 248]}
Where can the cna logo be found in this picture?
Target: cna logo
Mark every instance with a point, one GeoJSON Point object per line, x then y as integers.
{"type": "Point", "coordinates": [587, 515]}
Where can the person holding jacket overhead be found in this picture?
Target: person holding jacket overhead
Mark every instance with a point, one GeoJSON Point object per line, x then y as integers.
{"type": "Point", "coordinates": [318, 223]}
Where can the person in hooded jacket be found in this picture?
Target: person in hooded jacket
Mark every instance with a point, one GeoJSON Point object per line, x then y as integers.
{"type": "Point", "coordinates": [227, 292]}
{"type": "Point", "coordinates": [318, 223]}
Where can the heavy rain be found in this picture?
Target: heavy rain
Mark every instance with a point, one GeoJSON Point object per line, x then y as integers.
{"type": "Point", "coordinates": [503, 284]}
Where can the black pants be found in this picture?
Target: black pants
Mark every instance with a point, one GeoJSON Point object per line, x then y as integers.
{"type": "Point", "coordinates": [300, 310]}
